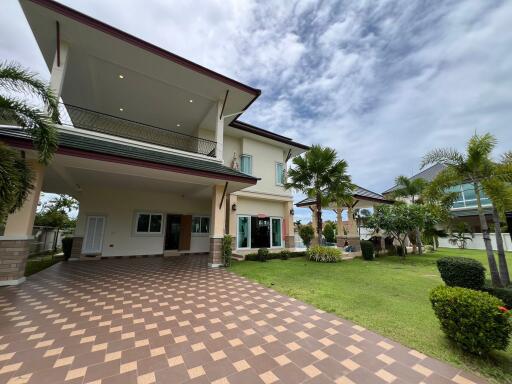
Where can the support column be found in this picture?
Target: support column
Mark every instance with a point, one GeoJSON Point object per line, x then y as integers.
{"type": "Point", "coordinates": [289, 234]}
{"type": "Point", "coordinates": [15, 243]}
{"type": "Point", "coordinates": [218, 220]}
{"type": "Point", "coordinates": [219, 133]}
{"type": "Point", "coordinates": [352, 236]}
{"type": "Point", "coordinates": [233, 200]}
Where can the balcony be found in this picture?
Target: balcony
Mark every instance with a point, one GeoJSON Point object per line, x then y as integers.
{"type": "Point", "coordinates": [115, 126]}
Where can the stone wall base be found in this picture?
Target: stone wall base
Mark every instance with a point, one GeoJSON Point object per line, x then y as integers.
{"type": "Point", "coordinates": [215, 259]}
{"type": "Point", "coordinates": [289, 241]}
{"type": "Point", "coordinates": [355, 242]}
{"type": "Point", "coordinates": [13, 260]}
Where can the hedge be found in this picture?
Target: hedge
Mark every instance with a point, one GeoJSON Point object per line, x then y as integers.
{"type": "Point", "coordinates": [462, 272]}
{"type": "Point", "coordinates": [472, 319]}
{"type": "Point", "coordinates": [271, 256]}
{"type": "Point", "coordinates": [504, 294]}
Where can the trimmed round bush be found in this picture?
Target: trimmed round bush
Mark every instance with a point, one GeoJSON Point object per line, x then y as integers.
{"type": "Point", "coordinates": [284, 254]}
{"type": "Point", "coordinates": [461, 272]}
{"type": "Point", "coordinates": [323, 254]}
{"type": "Point", "coordinates": [262, 254]}
{"type": "Point", "coordinates": [472, 319]}
{"type": "Point", "coordinates": [367, 250]}
{"type": "Point", "coordinates": [67, 245]}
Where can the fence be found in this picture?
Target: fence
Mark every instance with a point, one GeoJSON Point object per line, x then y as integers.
{"type": "Point", "coordinates": [478, 242]}
{"type": "Point", "coordinates": [46, 239]}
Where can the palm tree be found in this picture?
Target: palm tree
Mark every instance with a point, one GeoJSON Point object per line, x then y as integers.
{"type": "Point", "coordinates": [320, 176]}
{"type": "Point", "coordinates": [476, 167]}
{"type": "Point", "coordinates": [410, 189]}
{"type": "Point", "coordinates": [15, 175]}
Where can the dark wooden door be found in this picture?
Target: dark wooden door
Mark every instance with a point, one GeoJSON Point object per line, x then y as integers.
{"type": "Point", "coordinates": [185, 232]}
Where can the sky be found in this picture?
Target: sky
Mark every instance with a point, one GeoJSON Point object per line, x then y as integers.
{"type": "Point", "coordinates": [382, 82]}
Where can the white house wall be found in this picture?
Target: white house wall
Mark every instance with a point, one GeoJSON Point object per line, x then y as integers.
{"type": "Point", "coordinates": [120, 207]}
{"type": "Point", "coordinates": [478, 242]}
{"type": "Point", "coordinates": [253, 207]}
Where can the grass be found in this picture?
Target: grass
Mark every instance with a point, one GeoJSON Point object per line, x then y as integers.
{"type": "Point", "coordinates": [387, 295]}
{"type": "Point", "coordinates": [39, 263]}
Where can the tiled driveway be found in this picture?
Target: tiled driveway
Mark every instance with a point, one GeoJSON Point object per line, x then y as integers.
{"type": "Point", "coordinates": [174, 320]}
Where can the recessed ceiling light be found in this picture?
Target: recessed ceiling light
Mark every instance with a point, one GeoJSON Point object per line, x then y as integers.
{"type": "Point", "coordinates": [178, 125]}
{"type": "Point", "coordinates": [121, 76]}
{"type": "Point", "coordinates": [121, 109]}
{"type": "Point", "coordinates": [191, 101]}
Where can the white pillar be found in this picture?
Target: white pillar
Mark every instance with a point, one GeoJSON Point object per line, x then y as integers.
{"type": "Point", "coordinates": [59, 71]}
{"type": "Point", "coordinates": [219, 132]}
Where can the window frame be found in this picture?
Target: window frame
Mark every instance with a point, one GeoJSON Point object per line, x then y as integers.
{"type": "Point", "coordinates": [250, 163]}
{"type": "Point", "coordinates": [137, 215]}
{"type": "Point", "coordinates": [272, 227]}
{"type": "Point", "coordinates": [201, 217]}
{"type": "Point", "coordinates": [277, 173]}
{"type": "Point", "coordinates": [238, 231]}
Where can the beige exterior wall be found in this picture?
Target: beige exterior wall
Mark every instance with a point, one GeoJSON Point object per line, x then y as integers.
{"type": "Point", "coordinates": [120, 208]}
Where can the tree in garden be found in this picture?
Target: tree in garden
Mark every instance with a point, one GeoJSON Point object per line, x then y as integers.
{"type": "Point", "coordinates": [476, 167]}
{"type": "Point", "coordinates": [411, 190]}
{"type": "Point", "coordinates": [329, 232]}
{"type": "Point", "coordinates": [55, 213]}
{"type": "Point", "coordinates": [306, 233]}
{"type": "Point", "coordinates": [399, 219]}
{"type": "Point", "coordinates": [460, 234]}
{"type": "Point", "coordinates": [15, 175]}
{"type": "Point", "coordinates": [320, 176]}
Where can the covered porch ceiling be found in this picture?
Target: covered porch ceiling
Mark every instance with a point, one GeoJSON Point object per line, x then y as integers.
{"type": "Point", "coordinates": [76, 175]}
{"type": "Point", "coordinates": [115, 73]}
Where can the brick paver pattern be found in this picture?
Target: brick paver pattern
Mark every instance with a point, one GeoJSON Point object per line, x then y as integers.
{"type": "Point", "coordinates": [156, 320]}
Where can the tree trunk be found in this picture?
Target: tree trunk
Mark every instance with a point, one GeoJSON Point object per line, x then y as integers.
{"type": "Point", "coordinates": [493, 268]}
{"type": "Point", "coordinates": [502, 260]}
{"type": "Point", "coordinates": [418, 242]}
{"type": "Point", "coordinates": [319, 218]}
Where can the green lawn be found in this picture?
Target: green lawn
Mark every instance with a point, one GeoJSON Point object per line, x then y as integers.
{"type": "Point", "coordinates": [386, 295]}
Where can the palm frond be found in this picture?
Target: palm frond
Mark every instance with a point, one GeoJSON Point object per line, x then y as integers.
{"type": "Point", "coordinates": [39, 126]}
{"type": "Point", "coordinates": [446, 156]}
{"type": "Point", "coordinates": [18, 79]}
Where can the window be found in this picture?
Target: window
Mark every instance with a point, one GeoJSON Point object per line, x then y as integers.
{"type": "Point", "coordinates": [148, 223]}
{"type": "Point", "coordinates": [246, 164]}
{"type": "Point", "coordinates": [259, 232]}
{"type": "Point", "coordinates": [466, 196]}
{"type": "Point", "coordinates": [243, 231]}
{"type": "Point", "coordinates": [200, 224]}
{"type": "Point", "coordinates": [279, 174]}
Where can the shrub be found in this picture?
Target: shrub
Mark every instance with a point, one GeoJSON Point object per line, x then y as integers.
{"type": "Point", "coordinates": [471, 318]}
{"type": "Point", "coordinates": [262, 254]}
{"type": "Point", "coordinates": [504, 294]}
{"type": "Point", "coordinates": [461, 272]}
{"type": "Point", "coordinates": [367, 250]}
{"type": "Point", "coordinates": [67, 245]}
{"type": "Point", "coordinates": [227, 251]}
{"type": "Point", "coordinates": [329, 232]}
{"type": "Point", "coordinates": [285, 254]}
{"type": "Point", "coordinates": [306, 233]}
{"type": "Point", "coordinates": [323, 254]}
{"type": "Point", "coordinates": [271, 256]}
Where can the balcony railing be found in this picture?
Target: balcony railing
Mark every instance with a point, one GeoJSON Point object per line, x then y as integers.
{"type": "Point", "coordinates": [111, 125]}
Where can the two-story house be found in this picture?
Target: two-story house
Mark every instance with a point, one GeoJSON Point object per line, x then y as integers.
{"type": "Point", "coordinates": [151, 146]}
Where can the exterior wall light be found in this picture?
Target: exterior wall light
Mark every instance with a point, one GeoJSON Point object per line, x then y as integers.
{"type": "Point", "coordinates": [233, 207]}
{"type": "Point", "coordinates": [292, 212]}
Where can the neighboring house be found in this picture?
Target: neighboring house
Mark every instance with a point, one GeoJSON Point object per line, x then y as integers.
{"type": "Point", "coordinates": [464, 208]}
{"type": "Point", "coordinates": [151, 147]}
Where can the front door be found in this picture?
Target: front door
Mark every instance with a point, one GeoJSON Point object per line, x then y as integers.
{"type": "Point", "coordinates": [172, 232]}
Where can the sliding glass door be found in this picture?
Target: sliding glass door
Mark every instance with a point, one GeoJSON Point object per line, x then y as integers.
{"type": "Point", "coordinates": [277, 232]}
{"type": "Point", "coordinates": [243, 232]}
